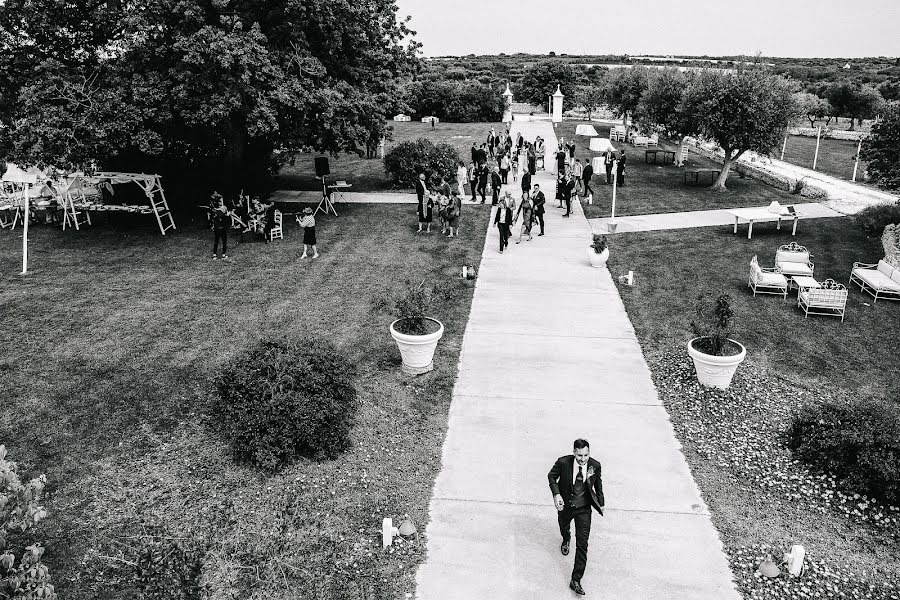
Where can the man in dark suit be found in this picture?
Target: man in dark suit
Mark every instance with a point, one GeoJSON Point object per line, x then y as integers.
{"type": "Point", "coordinates": [620, 168]}
{"type": "Point", "coordinates": [538, 199]}
{"type": "Point", "coordinates": [608, 160]}
{"type": "Point", "coordinates": [566, 191]}
{"type": "Point", "coordinates": [576, 485]}
{"type": "Point", "coordinates": [482, 181]}
{"type": "Point", "coordinates": [474, 153]}
{"type": "Point", "coordinates": [586, 180]}
{"type": "Point", "coordinates": [526, 183]}
{"type": "Point", "coordinates": [496, 182]}
{"type": "Point", "coordinates": [490, 143]}
{"type": "Point", "coordinates": [482, 155]}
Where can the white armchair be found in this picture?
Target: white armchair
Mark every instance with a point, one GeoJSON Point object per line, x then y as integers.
{"type": "Point", "coordinates": [767, 280]}
{"type": "Point", "coordinates": [793, 260]}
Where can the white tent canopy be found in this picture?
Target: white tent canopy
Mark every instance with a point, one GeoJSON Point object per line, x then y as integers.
{"type": "Point", "coordinates": [585, 129]}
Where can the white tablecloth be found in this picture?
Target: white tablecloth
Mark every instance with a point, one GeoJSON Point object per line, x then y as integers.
{"type": "Point", "coordinates": [599, 144]}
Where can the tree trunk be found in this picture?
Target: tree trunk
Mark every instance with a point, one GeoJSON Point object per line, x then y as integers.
{"type": "Point", "coordinates": [851, 124]}
{"type": "Point", "coordinates": [719, 185]}
{"type": "Point", "coordinates": [678, 156]}
{"type": "Point", "coordinates": [812, 121]}
{"type": "Point", "coordinates": [625, 119]}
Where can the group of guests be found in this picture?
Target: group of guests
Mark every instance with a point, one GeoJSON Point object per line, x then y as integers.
{"type": "Point", "coordinates": [574, 178]}
{"type": "Point", "coordinates": [518, 157]}
{"type": "Point", "coordinates": [530, 210]}
{"type": "Point", "coordinates": [249, 214]}
{"type": "Point", "coordinates": [440, 197]}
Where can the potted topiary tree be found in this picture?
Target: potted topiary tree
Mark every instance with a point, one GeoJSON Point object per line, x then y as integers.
{"type": "Point", "coordinates": [716, 356]}
{"type": "Point", "coordinates": [416, 333]}
{"type": "Point", "coordinates": [598, 253]}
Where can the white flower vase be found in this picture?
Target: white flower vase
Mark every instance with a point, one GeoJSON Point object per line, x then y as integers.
{"type": "Point", "coordinates": [598, 260]}
{"type": "Point", "coordinates": [715, 371]}
{"type": "Point", "coordinates": [417, 351]}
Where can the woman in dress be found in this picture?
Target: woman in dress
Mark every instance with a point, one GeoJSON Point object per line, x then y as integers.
{"type": "Point", "coordinates": [308, 222]}
{"type": "Point", "coordinates": [453, 213]}
{"type": "Point", "coordinates": [526, 211]}
{"type": "Point", "coordinates": [503, 219]}
{"type": "Point", "coordinates": [461, 175]}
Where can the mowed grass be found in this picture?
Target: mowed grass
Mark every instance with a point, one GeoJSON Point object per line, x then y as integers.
{"type": "Point", "coordinates": [677, 265]}
{"type": "Point", "coordinates": [808, 358]}
{"type": "Point", "coordinates": [110, 345]}
{"type": "Point", "coordinates": [367, 175]}
{"type": "Point", "coordinates": [652, 189]}
{"type": "Point", "coordinates": [836, 157]}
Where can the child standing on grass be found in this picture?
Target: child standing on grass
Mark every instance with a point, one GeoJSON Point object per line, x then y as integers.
{"type": "Point", "coordinates": [308, 222]}
{"type": "Point", "coordinates": [220, 222]}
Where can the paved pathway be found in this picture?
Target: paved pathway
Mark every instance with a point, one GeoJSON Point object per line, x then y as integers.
{"type": "Point", "coordinates": [703, 218]}
{"type": "Point", "coordinates": [549, 355]}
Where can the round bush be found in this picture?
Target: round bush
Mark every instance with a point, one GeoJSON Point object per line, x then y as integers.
{"type": "Point", "coordinates": [279, 401]}
{"type": "Point", "coordinates": [873, 219]}
{"type": "Point", "coordinates": [406, 160]}
{"type": "Point", "coordinates": [856, 441]}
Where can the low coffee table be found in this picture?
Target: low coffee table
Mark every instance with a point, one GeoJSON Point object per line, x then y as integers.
{"type": "Point", "coordinates": [803, 283]}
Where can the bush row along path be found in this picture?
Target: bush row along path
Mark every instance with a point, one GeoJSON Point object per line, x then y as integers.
{"type": "Point", "coordinates": [550, 355]}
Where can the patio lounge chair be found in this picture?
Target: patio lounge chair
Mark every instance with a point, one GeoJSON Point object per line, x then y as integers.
{"type": "Point", "coordinates": [829, 299]}
{"type": "Point", "coordinates": [879, 281]}
{"type": "Point", "coordinates": [766, 280]}
{"type": "Point", "coordinates": [793, 260]}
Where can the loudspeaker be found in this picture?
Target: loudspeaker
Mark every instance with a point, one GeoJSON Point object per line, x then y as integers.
{"type": "Point", "coordinates": [322, 168]}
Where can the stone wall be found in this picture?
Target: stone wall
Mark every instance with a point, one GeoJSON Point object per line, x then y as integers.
{"type": "Point", "coordinates": [834, 134]}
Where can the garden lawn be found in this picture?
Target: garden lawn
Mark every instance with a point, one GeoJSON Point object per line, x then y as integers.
{"type": "Point", "coordinates": [367, 175]}
{"type": "Point", "coordinates": [761, 500]}
{"type": "Point", "coordinates": [836, 157]}
{"type": "Point", "coordinates": [651, 189]}
{"type": "Point", "coordinates": [110, 345]}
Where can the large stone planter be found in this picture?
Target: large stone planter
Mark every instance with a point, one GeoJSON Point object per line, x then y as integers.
{"type": "Point", "coordinates": [598, 260]}
{"type": "Point", "coordinates": [417, 351]}
{"type": "Point", "coordinates": [715, 371]}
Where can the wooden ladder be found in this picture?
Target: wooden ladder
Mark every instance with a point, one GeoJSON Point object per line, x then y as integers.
{"type": "Point", "coordinates": [161, 210]}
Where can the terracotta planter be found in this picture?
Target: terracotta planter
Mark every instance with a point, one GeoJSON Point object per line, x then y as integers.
{"type": "Point", "coordinates": [598, 260]}
{"type": "Point", "coordinates": [417, 351]}
{"type": "Point", "coordinates": [715, 371]}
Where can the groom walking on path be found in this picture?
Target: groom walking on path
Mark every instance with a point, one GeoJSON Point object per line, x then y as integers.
{"type": "Point", "coordinates": [576, 486]}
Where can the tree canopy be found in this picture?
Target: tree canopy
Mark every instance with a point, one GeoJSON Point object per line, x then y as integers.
{"type": "Point", "coordinates": [661, 105]}
{"type": "Point", "coordinates": [854, 100]}
{"type": "Point", "coordinates": [882, 148]}
{"type": "Point", "coordinates": [624, 88]}
{"type": "Point", "coordinates": [746, 110]}
{"type": "Point", "coordinates": [212, 89]}
{"type": "Point", "coordinates": [539, 83]}
{"type": "Point", "coordinates": [813, 108]}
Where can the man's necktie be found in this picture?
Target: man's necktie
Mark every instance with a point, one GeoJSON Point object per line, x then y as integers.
{"type": "Point", "coordinates": [579, 478]}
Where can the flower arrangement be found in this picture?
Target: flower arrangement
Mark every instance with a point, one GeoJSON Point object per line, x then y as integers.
{"type": "Point", "coordinates": [598, 243]}
{"type": "Point", "coordinates": [712, 325]}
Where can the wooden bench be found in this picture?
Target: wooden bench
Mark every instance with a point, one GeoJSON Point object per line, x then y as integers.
{"type": "Point", "coordinates": [692, 177]}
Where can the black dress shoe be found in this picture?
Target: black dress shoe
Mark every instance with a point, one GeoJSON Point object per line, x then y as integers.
{"type": "Point", "coordinates": [564, 548]}
{"type": "Point", "coordinates": [575, 586]}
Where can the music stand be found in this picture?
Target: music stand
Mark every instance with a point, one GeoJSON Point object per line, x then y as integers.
{"type": "Point", "coordinates": [325, 204]}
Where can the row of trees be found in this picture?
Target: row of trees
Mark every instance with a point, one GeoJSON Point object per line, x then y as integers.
{"type": "Point", "coordinates": [199, 90]}
{"type": "Point", "coordinates": [456, 101]}
{"type": "Point", "coordinates": [841, 99]}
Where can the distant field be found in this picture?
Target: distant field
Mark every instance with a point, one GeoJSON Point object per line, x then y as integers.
{"type": "Point", "coordinates": [836, 157]}
{"type": "Point", "coordinates": [367, 175]}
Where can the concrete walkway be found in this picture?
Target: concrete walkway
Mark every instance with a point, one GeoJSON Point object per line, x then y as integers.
{"type": "Point", "coordinates": [704, 218]}
{"type": "Point", "coordinates": [549, 355]}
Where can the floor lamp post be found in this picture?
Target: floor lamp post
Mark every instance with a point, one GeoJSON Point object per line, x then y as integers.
{"type": "Point", "coordinates": [611, 225]}
{"type": "Point", "coordinates": [856, 164]}
{"type": "Point", "coordinates": [818, 139]}
{"type": "Point", "coordinates": [25, 220]}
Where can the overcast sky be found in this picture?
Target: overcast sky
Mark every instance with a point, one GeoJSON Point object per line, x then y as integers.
{"type": "Point", "coordinates": [807, 28]}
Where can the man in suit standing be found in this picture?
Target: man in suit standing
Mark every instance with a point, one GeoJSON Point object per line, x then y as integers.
{"type": "Point", "coordinates": [496, 182]}
{"type": "Point", "coordinates": [490, 142]}
{"type": "Point", "coordinates": [586, 180]}
{"type": "Point", "coordinates": [537, 197]}
{"type": "Point", "coordinates": [526, 183]}
{"type": "Point", "coordinates": [474, 153]}
{"type": "Point", "coordinates": [482, 156]}
{"type": "Point", "coordinates": [482, 181]}
{"type": "Point", "coordinates": [576, 485]}
{"type": "Point", "coordinates": [568, 188]}
{"type": "Point", "coordinates": [608, 160]}
{"type": "Point", "coordinates": [620, 169]}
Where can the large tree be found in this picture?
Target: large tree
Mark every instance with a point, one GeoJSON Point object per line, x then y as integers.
{"type": "Point", "coordinates": [882, 148]}
{"type": "Point", "coordinates": [539, 83]}
{"type": "Point", "coordinates": [813, 107]}
{"type": "Point", "coordinates": [853, 100]}
{"type": "Point", "coordinates": [662, 106]}
{"type": "Point", "coordinates": [748, 109]}
{"type": "Point", "coordinates": [212, 89]}
{"type": "Point", "coordinates": [623, 89]}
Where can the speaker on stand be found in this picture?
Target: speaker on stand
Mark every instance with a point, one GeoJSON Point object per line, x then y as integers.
{"type": "Point", "coordinates": [323, 169]}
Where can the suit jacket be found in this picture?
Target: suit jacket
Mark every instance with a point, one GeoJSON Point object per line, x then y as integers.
{"type": "Point", "coordinates": [560, 478]}
{"type": "Point", "coordinates": [526, 181]}
{"type": "Point", "coordinates": [504, 215]}
{"type": "Point", "coordinates": [566, 188]}
{"type": "Point", "coordinates": [474, 154]}
{"type": "Point", "coordinates": [496, 181]}
{"type": "Point", "coordinates": [420, 190]}
{"type": "Point", "coordinates": [482, 156]}
{"type": "Point", "coordinates": [587, 173]}
{"type": "Point", "coordinates": [539, 201]}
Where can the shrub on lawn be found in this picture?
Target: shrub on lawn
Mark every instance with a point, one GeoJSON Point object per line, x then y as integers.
{"type": "Point", "coordinates": [279, 401]}
{"type": "Point", "coordinates": [856, 441]}
{"type": "Point", "coordinates": [873, 219]}
{"type": "Point", "coordinates": [406, 160]}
